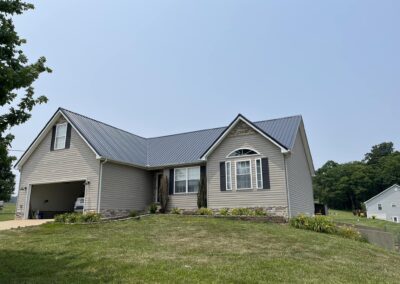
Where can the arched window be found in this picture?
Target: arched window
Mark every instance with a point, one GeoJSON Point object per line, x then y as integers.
{"type": "Point", "coordinates": [242, 152]}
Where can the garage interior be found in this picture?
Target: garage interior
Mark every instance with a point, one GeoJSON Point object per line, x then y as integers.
{"type": "Point", "coordinates": [48, 200]}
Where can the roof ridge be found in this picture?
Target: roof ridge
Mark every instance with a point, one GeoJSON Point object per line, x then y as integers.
{"type": "Point", "coordinates": [106, 124]}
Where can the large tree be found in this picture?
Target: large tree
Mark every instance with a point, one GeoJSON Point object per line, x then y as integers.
{"type": "Point", "coordinates": [17, 97]}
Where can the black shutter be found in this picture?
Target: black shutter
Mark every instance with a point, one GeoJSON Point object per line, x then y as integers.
{"type": "Point", "coordinates": [68, 138]}
{"type": "Point", "coordinates": [265, 173]}
{"type": "Point", "coordinates": [53, 137]}
{"type": "Point", "coordinates": [171, 181]}
{"type": "Point", "coordinates": [222, 176]}
{"type": "Point", "coordinates": [203, 172]}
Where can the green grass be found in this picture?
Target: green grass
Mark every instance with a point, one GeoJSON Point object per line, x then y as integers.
{"type": "Point", "coordinates": [184, 249]}
{"type": "Point", "coordinates": [8, 212]}
{"type": "Point", "coordinates": [348, 218]}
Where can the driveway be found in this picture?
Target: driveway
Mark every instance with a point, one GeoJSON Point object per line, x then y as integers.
{"type": "Point", "coordinates": [7, 225]}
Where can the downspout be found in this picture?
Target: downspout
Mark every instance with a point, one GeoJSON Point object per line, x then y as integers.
{"type": "Point", "coordinates": [100, 184]}
{"type": "Point", "coordinates": [287, 186]}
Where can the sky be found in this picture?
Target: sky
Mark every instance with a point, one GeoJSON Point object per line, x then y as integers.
{"type": "Point", "coordinates": [162, 67]}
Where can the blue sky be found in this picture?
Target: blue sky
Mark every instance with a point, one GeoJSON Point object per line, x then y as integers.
{"type": "Point", "coordinates": [163, 67]}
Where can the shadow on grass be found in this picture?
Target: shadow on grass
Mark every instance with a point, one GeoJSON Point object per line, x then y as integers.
{"type": "Point", "coordinates": [27, 266]}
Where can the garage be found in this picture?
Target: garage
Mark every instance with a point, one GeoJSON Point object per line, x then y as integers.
{"type": "Point", "coordinates": [48, 200]}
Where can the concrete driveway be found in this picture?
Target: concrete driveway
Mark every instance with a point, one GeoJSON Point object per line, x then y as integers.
{"type": "Point", "coordinates": [12, 224]}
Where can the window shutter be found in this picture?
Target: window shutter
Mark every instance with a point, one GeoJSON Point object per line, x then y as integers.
{"type": "Point", "coordinates": [171, 182]}
{"type": "Point", "coordinates": [68, 138]}
{"type": "Point", "coordinates": [222, 176]}
{"type": "Point", "coordinates": [265, 173]}
{"type": "Point", "coordinates": [53, 138]}
{"type": "Point", "coordinates": [203, 172]}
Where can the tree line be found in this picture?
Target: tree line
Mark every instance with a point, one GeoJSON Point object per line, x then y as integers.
{"type": "Point", "coordinates": [346, 186]}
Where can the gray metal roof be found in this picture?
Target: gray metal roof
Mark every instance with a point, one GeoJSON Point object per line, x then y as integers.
{"type": "Point", "coordinates": [185, 148]}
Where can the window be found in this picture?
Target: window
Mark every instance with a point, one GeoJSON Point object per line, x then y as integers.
{"type": "Point", "coordinates": [395, 219]}
{"type": "Point", "coordinates": [187, 180]}
{"type": "Point", "coordinates": [394, 204]}
{"type": "Point", "coordinates": [379, 207]}
{"type": "Point", "coordinates": [228, 176]}
{"type": "Point", "coordinates": [242, 152]}
{"type": "Point", "coordinates": [61, 136]}
{"type": "Point", "coordinates": [259, 174]}
{"type": "Point", "coordinates": [243, 175]}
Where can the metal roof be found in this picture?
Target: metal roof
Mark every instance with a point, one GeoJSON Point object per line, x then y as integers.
{"type": "Point", "coordinates": [185, 148]}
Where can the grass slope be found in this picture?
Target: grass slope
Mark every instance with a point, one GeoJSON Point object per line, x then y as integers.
{"type": "Point", "coordinates": [349, 218]}
{"type": "Point", "coordinates": [8, 212]}
{"type": "Point", "coordinates": [189, 249]}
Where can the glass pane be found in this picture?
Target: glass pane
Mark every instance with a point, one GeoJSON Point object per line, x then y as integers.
{"type": "Point", "coordinates": [61, 130]}
{"type": "Point", "coordinates": [60, 143]}
{"type": "Point", "coordinates": [243, 168]}
{"type": "Point", "coordinates": [243, 181]}
{"type": "Point", "coordinates": [180, 186]}
{"type": "Point", "coordinates": [180, 174]}
{"type": "Point", "coordinates": [243, 152]}
{"type": "Point", "coordinates": [193, 185]}
{"type": "Point", "coordinates": [194, 173]}
{"type": "Point", "coordinates": [259, 176]}
{"type": "Point", "coordinates": [228, 176]}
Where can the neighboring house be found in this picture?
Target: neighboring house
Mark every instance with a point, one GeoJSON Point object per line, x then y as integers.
{"type": "Point", "coordinates": [385, 205]}
{"type": "Point", "coordinates": [262, 164]}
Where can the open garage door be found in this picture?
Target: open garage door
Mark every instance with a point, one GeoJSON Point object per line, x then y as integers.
{"type": "Point", "coordinates": [48, 200]}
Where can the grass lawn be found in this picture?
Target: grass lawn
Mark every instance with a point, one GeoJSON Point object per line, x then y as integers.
{"type": "Point", "coordinates": [8, 212]}
{"type": "Point", "coordinates": [348, 218]}
{"type": "Point", "coordinates": [188, 249]}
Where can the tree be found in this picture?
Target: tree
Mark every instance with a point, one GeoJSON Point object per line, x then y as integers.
{"type": "Point", "coordinates": [164, 194]}
{"type": "Point", "coordinates": [16, 91]}
{"type": "Point", "coordinates": [378, 152]}
{"type": "Point", "coordinates": [202, 194]}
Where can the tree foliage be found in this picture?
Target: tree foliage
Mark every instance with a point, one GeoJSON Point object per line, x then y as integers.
{"type": "Point", "coordinates": [348, 185]}
{"type": "Point", "coordinates": [202, 194]}
{"type": "Point", "coordinates": [17, 97]}
{"type": "Point", "coordinates": [164, 198]}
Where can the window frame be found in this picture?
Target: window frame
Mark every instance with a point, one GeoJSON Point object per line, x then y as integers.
{"type": "Point", "coordinates": [236, 157]}
{"type": "Point", "coordinates": [228, 165]}
{"type": "Point", "coordinates": [251, 174]}
{"type": "Point", "coordinates": [186, 179]}
{"type": "Point", "coordinates": [58, 137]}
{"type": "Point", "coordinates": [261, 174]}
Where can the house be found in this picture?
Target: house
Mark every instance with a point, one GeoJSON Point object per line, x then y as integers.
{"type": "Point", "coordinates": [385, 205]}
{"type": "Point", "coordinates": [247, 164]}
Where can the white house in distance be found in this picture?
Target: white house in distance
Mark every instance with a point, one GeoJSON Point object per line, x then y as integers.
{"type": "Point", "coordinates": [385, 205]}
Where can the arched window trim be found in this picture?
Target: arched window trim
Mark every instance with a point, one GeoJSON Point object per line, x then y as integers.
{"type": "Point", "coordinates": [250, 155]}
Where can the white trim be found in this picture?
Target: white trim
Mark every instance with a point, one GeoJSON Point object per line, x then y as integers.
{"type": "Point", "coordinates": [287, 186]}
{"type": "Point", "coordinates": [383, 192]}
{"type": "Point", "coordinates": [251, 174]}
{"type": "Point", "coordinates": [230, 175]}
{"type": "Point", "coordinates": [261, 174]}
{"type": "Point", "coordinates": [27, 202]}
{"type": "Point", "coordinates": [102, 163]}
{"type": "Point", "coordinates": [187, 180]}
{"type": "Point", "coordinates": [56, 137]}
{"type": "Point", "coordinates": [251, 155]}
{"type": "Point", "coordinates": [226, 132]}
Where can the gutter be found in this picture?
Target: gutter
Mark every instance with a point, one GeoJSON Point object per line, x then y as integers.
{"type": "Point", "coordinates": [100, 184]}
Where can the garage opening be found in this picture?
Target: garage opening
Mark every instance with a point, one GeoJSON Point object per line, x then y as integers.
{"type": "Point", "coordinates": [48, 200]}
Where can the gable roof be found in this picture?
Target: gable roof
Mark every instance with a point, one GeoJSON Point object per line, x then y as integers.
{"type": "Point", "coordinates": [383, 192]}
{"type": "Point", "coordinates": [117, 145]}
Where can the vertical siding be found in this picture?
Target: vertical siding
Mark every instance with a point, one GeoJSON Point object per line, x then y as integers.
{"type": "Point", "coordinates": [125, 188]}
{"type": "Point", "coordinates": [45, 166]}
{"type": "Point", "coordinates": [182, 201]}
{"type": "Point", "coordinates": [273, 197]}
{"type": "Point", "coordinates": [300, 180]}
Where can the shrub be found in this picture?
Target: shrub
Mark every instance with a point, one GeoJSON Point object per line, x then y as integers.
{"type": "Point", "coordinates": [176, 211]}
{"type": "Point", "coordinates": [204, 211]}
{"type": "Point", "coordinates": [242, 212]}
{"type": "Point", "coordinates": [260, 212]}
{"type": "Point", "coordinates": [133, 213]}
{"type": "Point", "coordinates": [70, 218]}
{"type": "Point", "coordinates": [319, 224]}
{"type": "Point", "coordinates": [349, 233]}
{"type": "Point", "coordinates": [224, 211]}
{"type": "Point", "coordinates": [153, 208]}
{"type": "Point", "coordinates": [164, 194]}
{"type": "Point", "coordinates": [373, 217]}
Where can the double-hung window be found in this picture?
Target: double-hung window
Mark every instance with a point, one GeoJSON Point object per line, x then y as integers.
{"type": "Point", "coordinates": [187, 180]}
{"type": "Point", "coordinates": [379, 207]}
{"type": "Point", "coordinates": [259, 174]}
{"type": "Point", "coordinates": [61, 136]}
{"type": "Point", "coordinates": [243, 175]}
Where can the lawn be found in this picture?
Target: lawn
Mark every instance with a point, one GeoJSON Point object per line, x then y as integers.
{"type": "Point", "coordinates": [189, 249]}
{"type": "Point", "coordinates": [8, 212]}
{"type": "Point", "coordinates": [348, 218]}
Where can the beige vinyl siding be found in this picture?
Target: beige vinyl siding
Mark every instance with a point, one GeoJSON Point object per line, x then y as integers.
{"type": "Point", "coordinates": [300, 180]}
{"type": "Point", "coordinates": [181, 201]}
{"type": "Point", "coordinates": [45, 166]}
{"type": "Point", "coordinates": [273, 197]}
{"type": "Point", "coordinates": [125, 188]}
